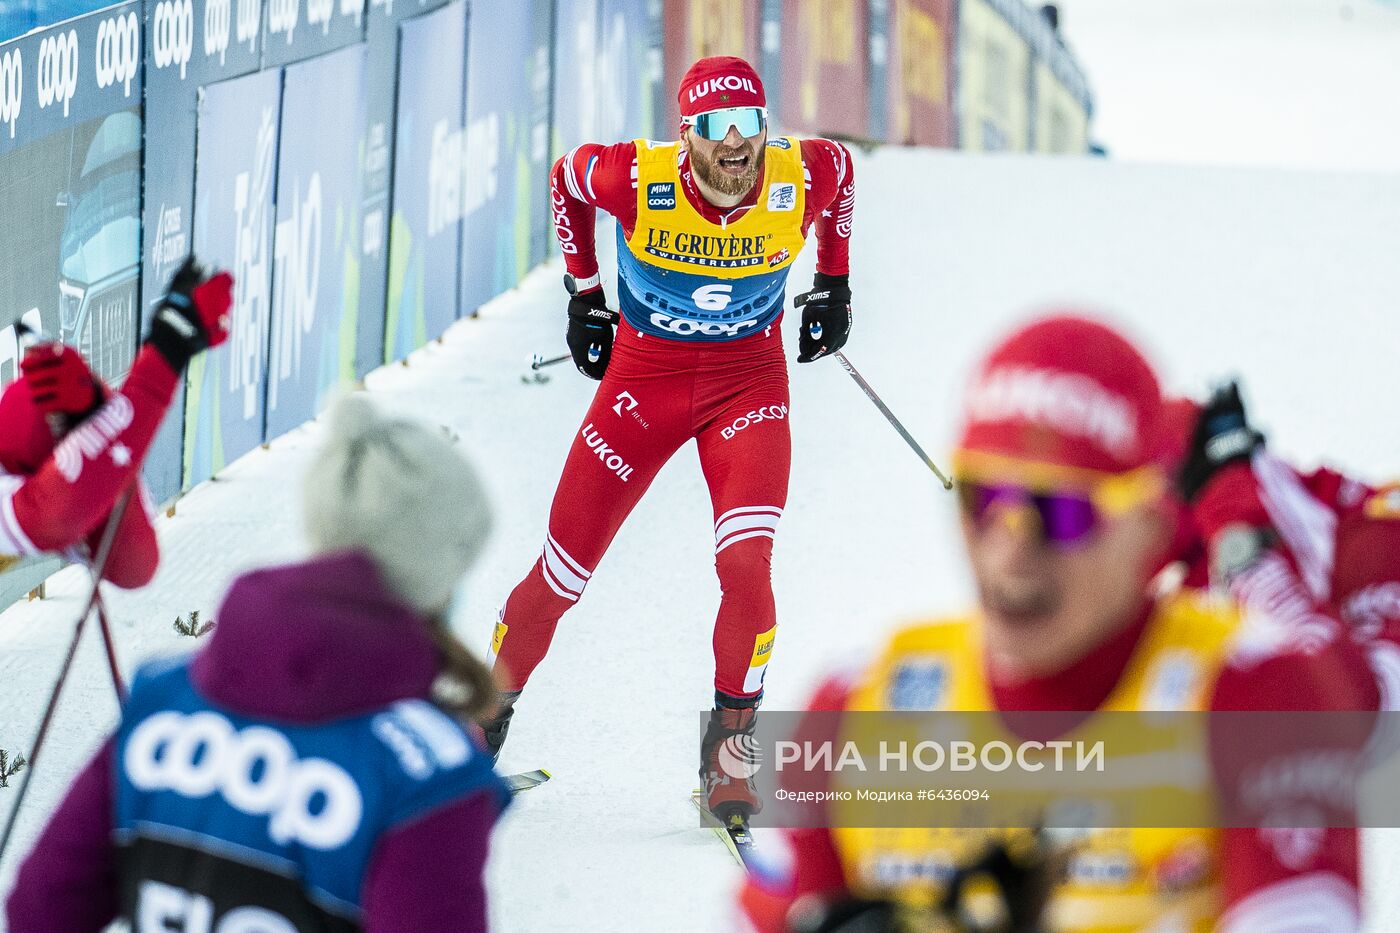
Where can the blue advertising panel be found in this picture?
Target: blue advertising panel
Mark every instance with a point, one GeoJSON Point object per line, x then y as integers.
{"type": "Point", "coordinates": [628, 70]}
{"type": "Point", "coordinates": [70, 177]}
{"type": "Point", "coordinates": [506, 186]}
{"type": "Point", "coordinates": [233, 222]}
{"type": "Point", "coordinates": [382, 20]}
{"type": "Point", "coordinates": [425, 229]}
{"type": "Point", "coordinates": [297, 29]}
{"type": "Point", "coordinates": [70, 186]}
{"type": "Point", "coordinates": [316, 245]}
{"type": "Point", "coordinates": [189, 43]}
{"type": "Point", "coordinates": [73, 72]}
{"type": "Point", "coordinates": [575, 75]}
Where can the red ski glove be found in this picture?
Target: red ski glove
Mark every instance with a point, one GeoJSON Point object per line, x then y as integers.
{"type": "Point", "coordinates": [60, 382]}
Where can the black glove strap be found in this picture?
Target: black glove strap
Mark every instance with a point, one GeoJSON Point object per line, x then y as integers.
{"type": "Point", "coordinates": [174, 335]}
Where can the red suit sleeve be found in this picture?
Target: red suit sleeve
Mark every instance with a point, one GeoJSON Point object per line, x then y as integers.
{"type": "Point", "coordinates": [66, 501]}
{"type": "Point", "coordinates": [800, 862]}
{"type": "Point", "coordinates": [1277, 580]}
{"type": "Point", "coordinates": [589, 177]}
{"type": "Point", "coordinates": [1272, 870]}
{"type": "Point", "coordinates": [831, 202]}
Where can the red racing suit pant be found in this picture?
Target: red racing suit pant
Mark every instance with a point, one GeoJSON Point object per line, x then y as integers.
{"type": "Point", "coordinates": [732, 398]}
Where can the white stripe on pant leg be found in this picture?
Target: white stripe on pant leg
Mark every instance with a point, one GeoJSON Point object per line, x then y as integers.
{"type": "Point", "coordinates": [744, 536]}
{"type": "Point", "coordinates": [574, 565]}
{"type": "Point", "coordinates": [744, 523]}
{"type": "Point", "coordinates": [750, 509]}
{"type": "Point", "coordinates": [560, 579]}
{"type": "Point", "coordinates": [549, 578]}
{"type": "Point", "coordinates": [558, 565]}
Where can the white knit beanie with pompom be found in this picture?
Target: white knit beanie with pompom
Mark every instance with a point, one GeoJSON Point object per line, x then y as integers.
{"type": "Point", "coordinates": [402, 492]}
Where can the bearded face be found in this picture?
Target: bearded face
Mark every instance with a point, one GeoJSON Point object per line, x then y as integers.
{"type": "Point", "coordinates": [731, 166]}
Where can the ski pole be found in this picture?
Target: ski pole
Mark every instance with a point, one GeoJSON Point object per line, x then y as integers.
{"type": "Point", "coordinates": [104, 551]}
{"type": "Point", "coordinates": [56, 427]}
{"type": "Point", "coordinates": [109, 645]}
{"type": "Point", "coordinates": [889, 416]}
{"type": "Point", "coordinates": [538, 362]}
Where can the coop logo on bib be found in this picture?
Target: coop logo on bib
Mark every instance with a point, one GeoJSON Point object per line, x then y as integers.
{"type": "Point", "coordinates": [661, 196]}
{"type": "Point", "coordinates": [308, 801]}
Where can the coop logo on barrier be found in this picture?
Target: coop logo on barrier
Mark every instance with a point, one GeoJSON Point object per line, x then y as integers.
{"type": "Point", "coordinates": [318, 13]}
{"type": "Point", "coordinates": [58, 70]}
{"type": "Point", "coordinates": [283, 16]}
{"type": "Point", "coordinates": [11, 88]}
{"type": "Point", "coordinates": [246, 23]}
{"type": "Point", "coordinates": [218, 15]}
{"type": "Point", "coordinates": [444, 178]}
{"type": "Point", "coordinates": [118, 52]}
{"type": "Point", "coordinates": [297, 265]}
{"type": "Point", "coordinates": [172, 34]}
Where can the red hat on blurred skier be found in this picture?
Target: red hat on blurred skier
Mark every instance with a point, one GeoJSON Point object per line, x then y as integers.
{"type": "Point", "coordinates": [718, 82]}
{"type": "Point", "coordinates": [1065, 392]}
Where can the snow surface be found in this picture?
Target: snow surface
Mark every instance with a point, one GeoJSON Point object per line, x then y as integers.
{"type": "Point", "coordinates": [1286, 278]}
{"type": "Point", "coordinates": [1299, 83]}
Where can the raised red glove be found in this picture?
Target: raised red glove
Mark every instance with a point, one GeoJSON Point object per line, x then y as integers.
{"type": "Point", "coordinates": [193, 316]}
{"type": "Point", "coordinates": [60, 382]}
{"type": "Point", "coordinates": [213, 299]}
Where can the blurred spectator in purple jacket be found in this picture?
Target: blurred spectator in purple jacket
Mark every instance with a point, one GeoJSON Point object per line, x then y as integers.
{"type": "Point", "coordinates": [312, 768]}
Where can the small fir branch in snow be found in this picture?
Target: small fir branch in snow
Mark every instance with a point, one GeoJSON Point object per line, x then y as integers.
{"type": "Point", "coordinates": [192, 628]}
{"type": "Point", "coordinates": [8, 768]}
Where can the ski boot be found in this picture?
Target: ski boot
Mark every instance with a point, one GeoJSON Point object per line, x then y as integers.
{"type": "Point", "coordinates": [727, 766]}
{"type": "Point", "coordinates": [493, 730]}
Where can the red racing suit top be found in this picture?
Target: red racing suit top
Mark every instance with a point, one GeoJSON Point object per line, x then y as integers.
{"type": "Point", "coordinates": [1232, 880]}
{"type": "Point", "coordinates": [1329, 558]}
{"type": "Point", "coordinates": [64, 504]}
{"type": "Point", "coordinates": [593, 176]}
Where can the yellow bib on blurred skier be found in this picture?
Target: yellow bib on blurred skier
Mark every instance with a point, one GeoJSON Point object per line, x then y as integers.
{"type": "Point", "coordinates": [1116, 880]}
{"type": "Point", "coordinates": [685, 278]}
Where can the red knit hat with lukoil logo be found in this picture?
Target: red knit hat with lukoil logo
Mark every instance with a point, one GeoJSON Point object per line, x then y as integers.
{"type": "Point", "coordinates": [1065, 392]}
{"type": "Point", "coordinates": [718, 82]}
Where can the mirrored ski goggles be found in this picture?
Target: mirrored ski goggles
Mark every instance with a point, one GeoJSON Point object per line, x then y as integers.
{"type": "Point", "coordinates": [1063, 515]}
{"type": "Point", "coordinates": [714, 124]}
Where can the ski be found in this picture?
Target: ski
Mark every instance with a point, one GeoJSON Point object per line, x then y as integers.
{"type": "Point", "coordinates": [526, 780]}
{"type": "Point", "coordinates": [736, 836]}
